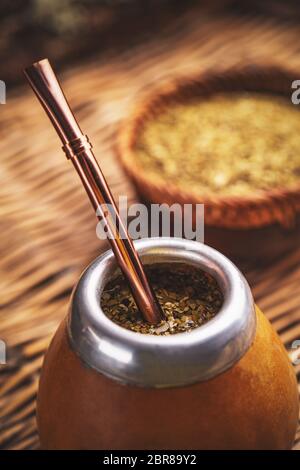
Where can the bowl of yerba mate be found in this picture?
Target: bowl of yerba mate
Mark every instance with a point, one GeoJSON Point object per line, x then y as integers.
{"type": "Point", "coordinates": [228, 140]}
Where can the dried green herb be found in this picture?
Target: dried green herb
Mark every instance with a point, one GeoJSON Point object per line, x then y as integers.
{"type": "Point", "coordinates": [230, 143]}
{"type": "Point", "coordinates": [189, 298]}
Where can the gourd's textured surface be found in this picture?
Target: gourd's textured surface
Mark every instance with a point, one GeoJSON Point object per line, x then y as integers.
{"type": "Point", "coordinates": [254, 405]}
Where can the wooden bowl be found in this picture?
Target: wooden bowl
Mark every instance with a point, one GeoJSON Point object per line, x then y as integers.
{"type": "Point", "coordinates": [264, 224]}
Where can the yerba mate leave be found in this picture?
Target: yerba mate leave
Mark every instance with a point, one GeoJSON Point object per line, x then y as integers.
{"type": "Point", "coordinates": [189, 297]}
{"type": "Point", "coordinates": [232, 144]}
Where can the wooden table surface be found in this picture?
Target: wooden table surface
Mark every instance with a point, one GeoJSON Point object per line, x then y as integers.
{"type": "Point", "coordinates": [47, 226]}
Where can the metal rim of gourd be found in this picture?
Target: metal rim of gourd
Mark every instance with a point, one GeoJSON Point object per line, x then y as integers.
{"type": "Point", "coordinates": [163, 361]}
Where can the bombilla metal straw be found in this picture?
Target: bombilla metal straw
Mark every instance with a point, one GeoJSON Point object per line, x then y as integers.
{"type": "Point", "coordinates": [79, 150]}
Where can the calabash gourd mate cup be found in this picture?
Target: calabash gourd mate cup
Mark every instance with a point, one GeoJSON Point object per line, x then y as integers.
{"type": "Point", "coordinates": [228, 384]}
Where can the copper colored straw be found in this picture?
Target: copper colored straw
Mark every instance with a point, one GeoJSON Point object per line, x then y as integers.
{"type": "Point", "coordinates": [78, 148]}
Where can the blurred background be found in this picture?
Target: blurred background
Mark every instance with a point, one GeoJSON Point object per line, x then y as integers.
{"type": "Point", "coordinates": [108, 55]}
{"type": "Point", "coordinates": [72, 30]}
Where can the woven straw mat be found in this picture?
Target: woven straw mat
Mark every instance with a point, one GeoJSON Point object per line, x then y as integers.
{"type": "Point", "coordinates": [47, 226]}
